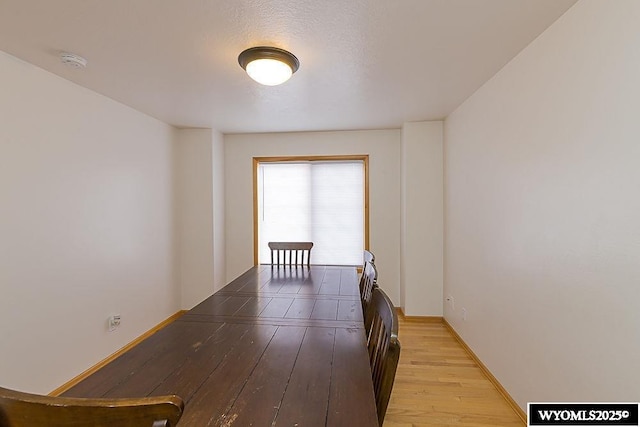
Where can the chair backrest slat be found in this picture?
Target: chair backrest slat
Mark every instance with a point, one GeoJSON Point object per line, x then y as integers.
{"type": "Point", "coordinates": [290, 253]}
{"type": "Point", "coordinates": [384, 349]}
{"type": "Point", "coordinates": [19, 409]}
{"type": "Point", "coordinates": [367, 284]}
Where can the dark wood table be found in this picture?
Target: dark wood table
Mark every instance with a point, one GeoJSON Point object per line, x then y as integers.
{"type": "Point", "coordinates": [277, 346]}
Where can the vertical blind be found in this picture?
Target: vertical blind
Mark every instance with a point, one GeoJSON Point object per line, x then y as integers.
{"type": "Point", "coordinates": [314, 201]}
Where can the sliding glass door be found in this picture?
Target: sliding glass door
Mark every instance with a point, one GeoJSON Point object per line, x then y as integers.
{"type": "Point", "coordinates": [321, 200]}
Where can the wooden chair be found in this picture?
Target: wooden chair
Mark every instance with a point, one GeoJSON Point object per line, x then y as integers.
{"type": "Point", "coordinates": [286, 253]}
{"type": "Point", "coordinates": [384, 349]}
{"type": "Point", "coordinates": [369, 257]}
{"type": "Point", "coordinates": [367, 284]}
{"type": "Point", "coordinates": [18, 409]}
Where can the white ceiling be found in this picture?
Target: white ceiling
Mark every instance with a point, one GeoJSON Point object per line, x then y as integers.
{"type": "Point", "coordinates": [365, 64]}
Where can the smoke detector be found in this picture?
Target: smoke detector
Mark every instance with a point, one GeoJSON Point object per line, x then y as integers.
{"type": "Point", "coordinates": [72, 60]}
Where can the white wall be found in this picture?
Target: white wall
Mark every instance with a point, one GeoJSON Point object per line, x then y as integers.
{"type": "Point", "coordinates": [200, 209]}
{"type": "Point", "coordinates": [219, 255]}
{"type": "Point", "coordinates": [86, 226]}
{"type": "Point", "coordinates": [383, 148]}
{"type": "Point", "coordinates": [542, 231]}
{"type": "Point", "coordinates": [421, 248]}
{"type": "Point", "coordinates": [194, 196]}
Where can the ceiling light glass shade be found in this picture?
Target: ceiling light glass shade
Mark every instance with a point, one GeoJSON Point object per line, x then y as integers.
{"type": "Point", "coordinates": [269, 72]}
{"type": "Point", "coordinates": [269, 66]}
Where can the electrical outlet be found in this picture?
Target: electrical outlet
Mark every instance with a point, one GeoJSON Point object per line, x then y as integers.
{"type": "Point", "coordinates": [114, 322]}
{"type": "Point", "coordinates": [464, 313]}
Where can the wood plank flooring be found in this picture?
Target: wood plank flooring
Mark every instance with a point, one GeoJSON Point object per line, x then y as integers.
{"type": "Point", "coordinates": [438, 384]}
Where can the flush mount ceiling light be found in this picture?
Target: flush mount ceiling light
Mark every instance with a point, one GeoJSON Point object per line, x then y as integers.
{"type": "Point", "coordinates": [269, 66]}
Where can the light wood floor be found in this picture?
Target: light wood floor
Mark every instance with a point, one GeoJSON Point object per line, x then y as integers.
{"type": "Point", "coordinates": [439, 384]}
